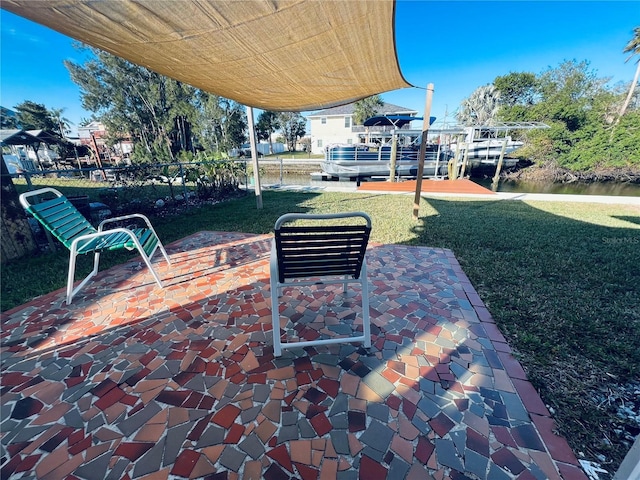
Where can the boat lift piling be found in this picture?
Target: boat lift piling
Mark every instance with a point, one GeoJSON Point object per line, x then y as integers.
{"type": "Point", "coordinates": [459, 169]}
{"type": "Point", "coordinates": [465, 160]}
{"type": "Point", "coordinates": [394, 151]}
{"type": "Point", "coordinates": [496, 177]}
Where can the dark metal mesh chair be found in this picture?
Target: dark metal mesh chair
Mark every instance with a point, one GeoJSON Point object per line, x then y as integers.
{"type": "Point", "coordinates": [322, 251]}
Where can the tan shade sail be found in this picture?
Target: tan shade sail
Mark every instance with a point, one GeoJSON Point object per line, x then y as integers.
{"type": "Point", "coordinates": [291, 55]}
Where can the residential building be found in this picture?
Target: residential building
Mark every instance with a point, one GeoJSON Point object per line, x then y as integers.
{"type": "Point", "coordinates": [94, 135]}
{"type": "Point", "coordinates": [335, 125]}
{"type": "Point", "coordinates": [8, 118]}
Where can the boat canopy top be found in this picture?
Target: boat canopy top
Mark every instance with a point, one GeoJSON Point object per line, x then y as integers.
{"type": "Point", "coordinates": [397, 121]}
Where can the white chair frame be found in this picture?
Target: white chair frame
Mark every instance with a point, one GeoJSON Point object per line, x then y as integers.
{"type": "Point", "coordinates": [307, 275]}
{"type": "Point", "coordinates": [70, 227]}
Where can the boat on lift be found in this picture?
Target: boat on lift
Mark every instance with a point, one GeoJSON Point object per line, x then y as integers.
{"type": "Point", "coordinates": [365, 161]}
{"type": "Point", "coordinates": [374, 158]}
{"type": "Point", "coordinates": [482, 147]}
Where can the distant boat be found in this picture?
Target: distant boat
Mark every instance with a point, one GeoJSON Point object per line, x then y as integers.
{"type": "Point", "coordinates": [487, 151]}
{"type": "Point", "coordinates": [483, 147]}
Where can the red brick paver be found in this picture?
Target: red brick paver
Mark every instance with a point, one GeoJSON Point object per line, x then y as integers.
{"type": "Point", "coordinates": [133, 381]}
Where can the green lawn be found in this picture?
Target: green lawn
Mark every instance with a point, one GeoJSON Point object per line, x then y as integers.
{"type": "Point", "coordinates": [296, 155]}
{"type": "Point", "coordinates": [560, 279]}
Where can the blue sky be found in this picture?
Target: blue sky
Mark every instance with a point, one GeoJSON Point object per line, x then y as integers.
{"type": "Point", "coordinates": [458, 46]}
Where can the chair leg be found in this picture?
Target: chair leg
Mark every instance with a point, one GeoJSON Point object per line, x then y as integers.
{"type": "Point", "coordinates": [366, 321]}
{"type": "Point", "coordinates": [159, 244]}
{"type": "Point", "coordinates": [275, 319]}
{"type": "Point", "coordinates": [147, 261]}
{"type": "Point", "coordinates": [71, 277]}
{"type": "Point", "coordinates": [164, 252]}
{"type": "Point", "coordinates": [71, 292]}
{"type": "Point", "coordinates": [96, 263]}
{"type": "Point", "coordinates": [147, 258]}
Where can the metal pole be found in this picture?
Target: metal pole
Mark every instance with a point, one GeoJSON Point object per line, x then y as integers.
{"type": "Point", "coordinates": [435, 173]}
{"type": "Point", "coordinates": [254, 158]}
{"type": "Point", "coordinates": [423, 150]}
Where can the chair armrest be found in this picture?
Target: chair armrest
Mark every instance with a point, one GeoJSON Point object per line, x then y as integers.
{"type": "Point", "coordinates": [124, 217]}
{"type": "Point", "coordinates": [91, 236]}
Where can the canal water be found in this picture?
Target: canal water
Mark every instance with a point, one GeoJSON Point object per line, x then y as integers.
{"type": "Point", "coordinates": [606, 188]}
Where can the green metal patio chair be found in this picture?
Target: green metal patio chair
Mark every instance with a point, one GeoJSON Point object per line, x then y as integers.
{"type": "Point", "coordinates": [56, 213]}
{"type": "Point", "coordinates": [324, 252]}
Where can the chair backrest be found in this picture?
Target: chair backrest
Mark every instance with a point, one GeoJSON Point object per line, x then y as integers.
{"type": "Point", "coordinates": [58, 215]}
{"type": "Point", "coordinates": [323, 248]}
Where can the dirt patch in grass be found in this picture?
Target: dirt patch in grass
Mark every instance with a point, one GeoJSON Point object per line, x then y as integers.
{"type": "Point", "coordinates": [598, 412]}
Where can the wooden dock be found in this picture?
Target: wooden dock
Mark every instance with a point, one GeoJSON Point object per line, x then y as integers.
{"type": "Point", "coordinates": [462, 186]}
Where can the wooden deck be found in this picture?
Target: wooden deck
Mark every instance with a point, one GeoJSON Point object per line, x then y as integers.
{"type": "Point", "coordinates": [428, 186]}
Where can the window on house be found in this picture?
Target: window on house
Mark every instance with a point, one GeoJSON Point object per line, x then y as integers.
{"type": "Point", "coordinates": [323, 120]}
{"type": "Point", "coordinates": [350, 141]}
{"type": "Point", "coordinates": [347, 122]}
{"type": "Point", "coordinates": [319, 143]}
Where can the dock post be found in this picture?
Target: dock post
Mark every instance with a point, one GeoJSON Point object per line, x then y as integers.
{"type": "Point", "coordinates": [496, 177]}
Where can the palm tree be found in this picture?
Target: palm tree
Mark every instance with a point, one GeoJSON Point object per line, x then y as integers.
{"type": "Point", "coordinates": [63, 124]}
{"type": "Point", "coordinates": [633, 47]}
{"type": "Point", "coordinates": [366, 108]}
{"type": "Point", "coordinates": [268, 123]}
{"type": "Point", "coordinates": [481, 108]}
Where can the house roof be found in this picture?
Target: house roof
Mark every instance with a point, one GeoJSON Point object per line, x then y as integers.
{"type": "Point", "coordinates": [289, 55]}
{"type": "Point", "coordinates": [386, 109]}
{"type": "Point", "coordinates": [17, 137]}
{"type": "Point", "coordinates": [45, 136]}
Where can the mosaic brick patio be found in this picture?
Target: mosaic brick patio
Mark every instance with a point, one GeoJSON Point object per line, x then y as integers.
{"type": "Point", "coordinates": [133, 381]}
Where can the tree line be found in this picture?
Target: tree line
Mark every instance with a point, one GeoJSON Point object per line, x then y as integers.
{"type": "Point", "coordinates": [166, 119]}
{"type": "Point", "coordinates": [592, 125]}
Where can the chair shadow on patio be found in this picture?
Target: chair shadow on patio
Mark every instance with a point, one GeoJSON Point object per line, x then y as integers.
{"type": "Point", "coordinates": [183, 380]}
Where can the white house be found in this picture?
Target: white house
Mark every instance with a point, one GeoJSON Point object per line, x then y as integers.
{"type": "Point", "coordinates": [335, 125]}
